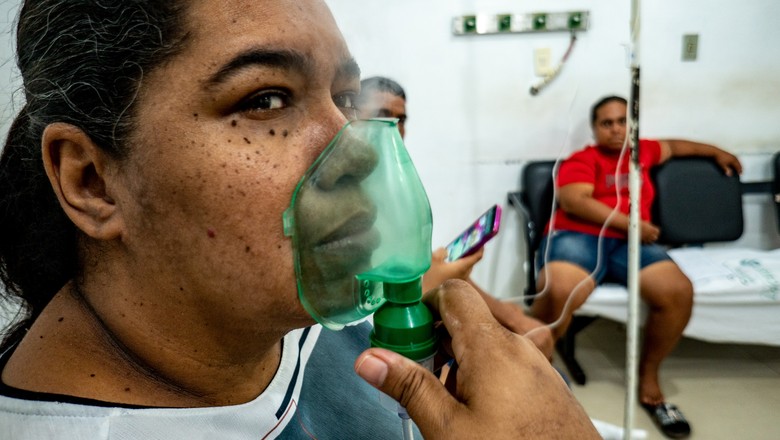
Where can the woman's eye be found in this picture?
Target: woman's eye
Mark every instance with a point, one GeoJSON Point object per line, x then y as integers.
{"type": "Point", "coordinates": [266, 100]}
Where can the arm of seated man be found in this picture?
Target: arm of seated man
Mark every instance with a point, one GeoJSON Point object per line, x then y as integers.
{"type": "Point", "coordinates": [680, 147]}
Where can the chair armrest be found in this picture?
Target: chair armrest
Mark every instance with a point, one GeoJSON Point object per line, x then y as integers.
{"type": "Point", "coordinates": [515, 199]}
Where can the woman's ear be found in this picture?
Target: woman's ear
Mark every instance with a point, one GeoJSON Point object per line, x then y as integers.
{"type": "Point", "coordinates": [78, 171]}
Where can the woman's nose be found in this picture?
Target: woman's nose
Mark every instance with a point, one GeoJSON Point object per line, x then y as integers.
{"type": "Point", "coordinates": [350, 160]}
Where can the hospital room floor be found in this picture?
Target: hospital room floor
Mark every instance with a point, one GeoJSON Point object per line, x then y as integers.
{"type": "Point", "coordinates": [726, 391]}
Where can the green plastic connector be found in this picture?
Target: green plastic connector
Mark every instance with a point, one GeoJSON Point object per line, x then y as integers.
{"type": "Point", "coordinates": [404, 324]}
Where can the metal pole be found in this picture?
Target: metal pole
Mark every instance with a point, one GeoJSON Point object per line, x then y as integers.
{"type": "Point", "coordinates": [632, 326]}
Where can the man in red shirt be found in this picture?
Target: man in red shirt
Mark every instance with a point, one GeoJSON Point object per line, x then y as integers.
{"type": "Point", "coordinates": [591, 184]}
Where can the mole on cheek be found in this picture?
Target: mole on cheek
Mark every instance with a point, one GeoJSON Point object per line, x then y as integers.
{"type": "Point", "coordinates": [233, 122]}
{"type": "Point", "coordinates": [247, 141]}
{"type": "Point", "coordinates": [272, 132]}
{"type": "Point", "coordinates": [210, 232]}
{"type": "Point", "coordinates": [285, 133]}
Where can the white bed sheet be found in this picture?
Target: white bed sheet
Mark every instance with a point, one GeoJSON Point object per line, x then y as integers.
{"type": "Point", "coordinates": [736, 295]}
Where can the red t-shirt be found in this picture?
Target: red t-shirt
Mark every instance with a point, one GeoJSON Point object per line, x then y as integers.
{"type": "Point", "coordinates": [597, 165]}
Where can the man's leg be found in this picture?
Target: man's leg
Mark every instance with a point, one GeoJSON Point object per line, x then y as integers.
{"type": "Point", "coordinates": [669, 296]}
{"type": "Point", "coordinates": [563, 282]}
{"type": "Point", "coordinates": [561, 289]}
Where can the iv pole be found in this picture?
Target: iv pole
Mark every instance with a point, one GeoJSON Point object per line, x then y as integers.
{"type": "Point", "coordinates": [632, 340]}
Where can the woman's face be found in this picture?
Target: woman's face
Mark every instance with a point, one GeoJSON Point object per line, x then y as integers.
{"type": "Point", "coordinates": [225, 131]}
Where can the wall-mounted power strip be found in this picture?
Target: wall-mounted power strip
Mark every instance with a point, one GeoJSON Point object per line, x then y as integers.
{"type": "Point", "coordinates": [483, 24]}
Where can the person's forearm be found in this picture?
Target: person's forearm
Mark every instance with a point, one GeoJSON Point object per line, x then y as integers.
{"type": "Point", "coordinates": [680, 147]}
{"type": "Point", "coordinates": [593, 211]}
{"type": "Point", "coordinates": [509, 315]}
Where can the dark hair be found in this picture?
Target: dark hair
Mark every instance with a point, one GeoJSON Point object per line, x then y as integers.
{"type": "Point", "coordinates": [381, 84]}
{"type": "Point", "coordinates": [602, 102]}
{"type": "Point", "coordinates": [82, 63]}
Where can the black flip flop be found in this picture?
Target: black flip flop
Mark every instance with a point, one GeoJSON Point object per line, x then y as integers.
{"type": "Point", "coordinates": [669, 419]}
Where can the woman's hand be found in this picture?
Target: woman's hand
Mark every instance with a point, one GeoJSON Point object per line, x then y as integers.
{"type": "Point", "coordinates": [505, 388]}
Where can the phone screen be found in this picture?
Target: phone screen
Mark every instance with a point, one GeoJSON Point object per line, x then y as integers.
{"type": "Point", "coordinates": [476, 235]}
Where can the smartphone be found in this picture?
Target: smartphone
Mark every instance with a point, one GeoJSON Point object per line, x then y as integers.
{"type": "Point", "coordinates": [476, 235]}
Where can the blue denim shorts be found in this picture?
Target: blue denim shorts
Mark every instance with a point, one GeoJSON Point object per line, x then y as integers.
{"type": "Point", "coordinates": [581, 249]}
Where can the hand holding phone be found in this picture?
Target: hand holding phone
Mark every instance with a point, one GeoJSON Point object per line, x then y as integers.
{"type": "Point", "coordinates": [476, 235]}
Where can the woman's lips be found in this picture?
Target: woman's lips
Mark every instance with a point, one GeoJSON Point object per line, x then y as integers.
{"type": "Point", "coordinates": [355, 225]}
{"type": "Point", "coordinates": [368, 239]}
{"type": "Point", "coordinates": [348, 249]}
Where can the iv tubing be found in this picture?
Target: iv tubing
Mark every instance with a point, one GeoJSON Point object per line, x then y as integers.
{"type": "Point", "coordinates": [406, 423]}
{"type": "Point", "coordinates": [632, 326]}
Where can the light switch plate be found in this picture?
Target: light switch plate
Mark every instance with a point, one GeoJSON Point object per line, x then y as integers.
{"type": "Point", "coordinates": [542, 61]}
{"type": "Point", "coordinates": [690, 47]}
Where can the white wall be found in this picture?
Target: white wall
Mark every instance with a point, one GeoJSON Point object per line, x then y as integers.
{"type": "Point", "coordinates": [473, 123]}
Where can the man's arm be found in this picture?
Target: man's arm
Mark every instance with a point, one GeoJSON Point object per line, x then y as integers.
{"type": "Point", "coordinates": [679, 147]}
{"type": "Point", "coordinates": [577, 200]}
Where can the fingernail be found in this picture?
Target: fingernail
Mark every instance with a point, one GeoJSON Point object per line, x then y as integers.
{"type": "Point", "coordinates": [373, 370]}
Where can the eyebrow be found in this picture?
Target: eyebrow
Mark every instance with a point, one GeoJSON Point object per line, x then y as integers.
{"type": "Point", "coordinates": [282, 59]}
{"type": "Point", "coordinates": [349, 69]}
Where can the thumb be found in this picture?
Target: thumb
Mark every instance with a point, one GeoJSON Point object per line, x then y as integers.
{"type": "Point", "coordinates": [412, 385]}
{"type": "Point", "coordinates": [475, 257]}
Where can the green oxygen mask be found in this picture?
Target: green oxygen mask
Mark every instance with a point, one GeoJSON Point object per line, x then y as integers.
{"type": "Point", "coordinates": [361, 228]}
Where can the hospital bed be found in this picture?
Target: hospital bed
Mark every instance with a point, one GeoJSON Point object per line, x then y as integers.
{"type": "Point", "coordinates": [736, 290]}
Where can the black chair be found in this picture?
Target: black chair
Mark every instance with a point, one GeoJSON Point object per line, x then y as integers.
{"type": "Point", "coordinates": [695, 203]}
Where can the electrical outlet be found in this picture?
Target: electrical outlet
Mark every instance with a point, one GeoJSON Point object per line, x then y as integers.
{"type": "Point", "coordinates": [690, 49]}
{"type": "Point", "coordinates": [466, 24]}
{"type": "Point", "coordinates": [504, 23]}
{"type": "Point", "coordinates": [539, 22]}
{"type": "Point", "coordinates": [543, 61]}
{"type": "Point", "coordinates": [575, 20]}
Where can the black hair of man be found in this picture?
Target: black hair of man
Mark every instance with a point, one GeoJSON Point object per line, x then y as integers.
{"type": "Point", "coordinates": [382, 84]}
{"type": "Point", "coordinates": [602, 102]}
